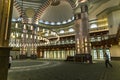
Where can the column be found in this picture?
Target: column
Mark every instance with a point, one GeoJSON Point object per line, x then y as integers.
{"type": "Point", "coordinates": [45, 53]}
{"type": "Point", "coordinates": [5, 25]}
{"type": "Point", "coordinates": [60, 52]}
{"type": "Point", "coordinates": [82, 31]}
{"type": "Point", "coordinates": [63, 55]}
{"type": "Point", "coordinates": [54, 52]}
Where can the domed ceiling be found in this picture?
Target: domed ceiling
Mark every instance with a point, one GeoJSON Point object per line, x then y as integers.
{"type": "Point", "coordinates": [58, 12]}
{"type": "Point", "coordinates": [48, 10]}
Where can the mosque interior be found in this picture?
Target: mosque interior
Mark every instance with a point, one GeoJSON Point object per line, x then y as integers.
{"type": "Point", "coordinates": [46, 28]}
{"type": "Point", "coordinates": [58, 29]}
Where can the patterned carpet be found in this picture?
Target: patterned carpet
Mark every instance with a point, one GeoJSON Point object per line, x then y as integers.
{"type": "Point", "coordinates": [60, 70]}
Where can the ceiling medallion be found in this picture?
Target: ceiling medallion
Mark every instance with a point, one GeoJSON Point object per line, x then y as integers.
{"type": "Point", "coordinates": [55, 2]}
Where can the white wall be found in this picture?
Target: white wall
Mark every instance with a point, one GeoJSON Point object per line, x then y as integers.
{"type": "Point", "coordinates": [98, 8]}
{"type": "Point", "coordinates": [115, 51]}
{"type": "Point", "coordinates": [114, 21]}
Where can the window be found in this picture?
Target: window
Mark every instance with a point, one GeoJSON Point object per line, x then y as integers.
{"type": "Point", "coordinates": [93, 26]}
{"type": "Point", "coordinates": [13, 19]}
{"type": "Point", "coordinates": [52, 23]}
{"type": "Point", "coordinates": [69, 20]}
{"type": "Point", "coordinates": [73, 18]}
{"type": "Point", "coordinates": [62, 31]}
{"type": "Point", "coordinates": [64, 22]}
{"type": "Point", "coordinates": [71, 30]}
{"type": "Point", "coordinates": [58, 23]}
{"type": "Point", "coordinates": [46, 22]}
{"type": "Point", "coordinates": [41, 21]}
{"type": "Point", "coordinates": [46, 34]}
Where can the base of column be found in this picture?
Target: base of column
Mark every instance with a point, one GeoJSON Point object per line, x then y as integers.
{"type": "Point", "coordinates": [4, 61]}
{"type": "Point", "coordinates": [83, 58]}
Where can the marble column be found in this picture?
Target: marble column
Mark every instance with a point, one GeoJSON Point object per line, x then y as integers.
{"type": "Point", "coordinates": [6, 7]}
{"type": "Point", "coordinates": [82, 31]}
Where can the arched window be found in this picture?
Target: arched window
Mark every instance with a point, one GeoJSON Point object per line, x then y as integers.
{"type": "Point", "coordinates": [62, 31]}
{"type": "Point", "coordinates": [46, 34]}
{"type": "Point", "coordinates": [41, 21]}
{"type": "Point", "coordinates": [13, 19]}
{"type": "Point", "coordinates": [46, 22]}
{"type": "Point", "coordinates": [58, 23]}
{"type": "Point", "coordinates": [93, 26]}
{"type": "Point", "coordinates": [71, 30]}
{"type": "Point", "coordinates": [64, 22]}
{"type": "Point", "coordinates": [73, 18]}
{"type": "Point", "coordinates": [69, 20]}
{"type": "Point", "coordinates": [52, 23]}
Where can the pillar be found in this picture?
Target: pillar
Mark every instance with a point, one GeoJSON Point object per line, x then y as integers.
{"type": "Point", "coordinates": [82, 31]}
{"type": "Point", "coordinates": [5, 23]}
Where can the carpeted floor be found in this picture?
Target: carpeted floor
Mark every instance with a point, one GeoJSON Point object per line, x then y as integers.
{"type": "Point", "coordinates": [60, 70]}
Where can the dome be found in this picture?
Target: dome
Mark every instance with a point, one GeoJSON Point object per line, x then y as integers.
{"type": "Point", "coordinates": [16, 13]}
{"type": "Point", "coordinates": [57, 12]}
